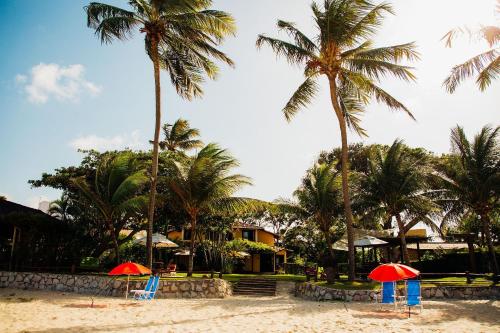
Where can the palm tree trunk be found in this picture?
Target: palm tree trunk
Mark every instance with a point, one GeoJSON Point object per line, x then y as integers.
{"type": "Point", "coordinates": [154, 168]}
{"type": "Point", "coordinates": [402, 237]}
{"type": "Point", "coordinates": [330, 272]}
{"type": "Point", "coordinates": [491, 249]}
{"type": "Point", "coordinates": [115, 241]}
{"type": "Point", "coordinates": [345, 184]}
{"type": "Point", "coordinates": [191, 247]}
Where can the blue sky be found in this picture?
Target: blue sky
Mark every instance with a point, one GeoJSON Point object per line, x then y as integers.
{"type": "Point", "coordinates": [61, 89]}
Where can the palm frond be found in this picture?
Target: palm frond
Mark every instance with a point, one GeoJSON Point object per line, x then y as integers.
{"type": "Point", "coordinates": [471, 67]}
{"type": "Point", "coordinates": [300, 98]}
{"type": "Point", "coordinates": [110, 22]}
{"type": "Point", "coordinates": [294, 54]}
{"type": "Point", "coordinates": [299, 37]}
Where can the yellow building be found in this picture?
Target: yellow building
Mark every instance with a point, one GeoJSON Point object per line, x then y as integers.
{"type": "Point", "coordinates": [255, 262]}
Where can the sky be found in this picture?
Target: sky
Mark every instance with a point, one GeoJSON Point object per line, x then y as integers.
{"type": "Point", "coordinates": [61, 90]}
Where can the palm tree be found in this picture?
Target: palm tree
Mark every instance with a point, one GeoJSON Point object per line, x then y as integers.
{"type": "Point", "coordinates": [180, 37]}
{"type": "Point", "coordinates": [61, 208]}
{"type": "Point", "coordinates": [180, 136]}
{"type": "Point", "coordinates": [115, 192]}
{"type": "Point", "coordinates": [397, 187]}
{"type": "Point", "coordinates": [471, 181]}
{"type": "Point", "coordinates": [485, 66]}
{"type": "Point", "coordinates": [343, 52]}
{"type": "Point", "coordinates": [204, 185]}
{"type": "Point", "coordinates": [320, 196]}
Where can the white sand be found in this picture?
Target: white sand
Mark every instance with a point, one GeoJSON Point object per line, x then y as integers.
{"type": "Point", "coordinates": [36, 311]}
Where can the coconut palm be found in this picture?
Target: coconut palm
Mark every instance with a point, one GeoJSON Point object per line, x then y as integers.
{"type": "Point", "coordinates": [61, 208]}
{"type": "Point", "coordinates": [320, 196]}
{"type": "Point", "coordinates": [115, 192]}
{"type": "Point", "coordinates": [180, 136]}
{"type": "Point", "coordinates": [485, 67]}
{"type": "Point", "coordinates": [180, 37]}
{"type": "Point", "coordinates": [471, 181]}
{"type": "Point", "coordinates": [343, 51]}
{"type": "Point", "coordinates": [204, 185]}
{"type": "Point", "coordinates": [397, 187]}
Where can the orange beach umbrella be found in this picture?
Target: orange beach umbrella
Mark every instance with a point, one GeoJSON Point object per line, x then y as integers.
{"type": "Point", "coordinates": [393, 272]}
{"type": "Point", "coordinates": [129, 268]}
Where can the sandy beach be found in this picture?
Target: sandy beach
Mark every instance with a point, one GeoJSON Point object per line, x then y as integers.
{"type": "Point", "coordinates": [37, 311]}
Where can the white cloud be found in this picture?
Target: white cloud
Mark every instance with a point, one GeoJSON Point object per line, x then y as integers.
{"type": "Point", "coordinates": [116, 142]}
{"type": "Point", "coordinates": [53, 81]}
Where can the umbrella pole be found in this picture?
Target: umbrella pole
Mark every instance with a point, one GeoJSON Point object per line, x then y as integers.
{"type": "Point", "coordinates": [126, 293]}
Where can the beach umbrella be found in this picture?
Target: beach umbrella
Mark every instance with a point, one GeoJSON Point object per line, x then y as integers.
{"type": "Point", "coordinates": [392, 272]}
{"type": "Point", "coordinates": [129, 268]}
{"type": "Point", "coordinates": [159, 240]}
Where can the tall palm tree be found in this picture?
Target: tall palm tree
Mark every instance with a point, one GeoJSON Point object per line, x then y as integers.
{"type": "Point", "coordinates": [343, 51]}
{"type": "Point", "coordinates": [397, 187]}
{"type": "Point", "coordinates": [180, 37]}
{"type": "Point", "coordinates": [471, 181]}
{"type": "Point", "coordinates": [204, 185]}
{"type": "Point", "coordinates": [180, 136]}
{"type": "Point", "coordinates": [485, 66]}
{"type": "Point", "coordinates": [115, 192]}
{"type": "Point", "coordinates": [320, 196]}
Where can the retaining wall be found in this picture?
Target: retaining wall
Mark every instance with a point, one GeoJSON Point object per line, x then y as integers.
{"type": "Point", "coordinates": [107, 286]}
{"type": "Point", "coordinates": [314, 292]}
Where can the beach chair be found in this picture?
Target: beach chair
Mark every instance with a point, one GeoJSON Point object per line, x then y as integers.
{"type": "Point", "coordinates": [387, 294]}
{"type": "Point", "coordinates": [413, 296]}
{"type": "Point", "coordinates": [149, 291]}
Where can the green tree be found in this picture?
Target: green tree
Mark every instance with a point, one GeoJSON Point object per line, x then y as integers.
{"type": "Point", "coordinates": [343, 51]}
{"type": "Point", "coordinates": [115, 192]}
{"type": "Point", "coordinates": [485, 66]}
{"type": "Point", "coordinates": [320, 196]}
{"type": "Point", "coordinates": [180, 37]}
{"type": "Point", "coordinates": [180, 136]}
{"type": "Point", "coordinates": [470, 181]}
{"type": "Point", "coordinates": [204, 185]}
{"type": "Point", "coordinates": [397, 187]}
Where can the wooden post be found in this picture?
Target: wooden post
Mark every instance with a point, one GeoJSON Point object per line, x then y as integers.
{"type": "Point", "coordinates": [363, 255]}
{"type": "Point", "coordinates": [468, 277]}
{"type": "Point", "coordinates": [418, 250]}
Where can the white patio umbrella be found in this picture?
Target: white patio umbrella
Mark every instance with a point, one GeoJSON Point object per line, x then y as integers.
{"type": "Point", "coordinates": [369, 241]}
{"type": "Point", "coordinates": [159, 241]}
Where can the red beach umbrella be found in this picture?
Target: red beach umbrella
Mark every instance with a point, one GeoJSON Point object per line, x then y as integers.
{"type": "Point", "coordinates": [129, 268]}
{"type": "Point", "coordinates": [392, 272]}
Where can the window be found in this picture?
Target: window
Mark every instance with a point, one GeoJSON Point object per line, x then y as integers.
{"type": "Point", "coordinates": [248, 234]}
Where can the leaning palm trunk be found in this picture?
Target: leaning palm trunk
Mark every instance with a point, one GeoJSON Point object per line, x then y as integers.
{"type": "Point", "coordinates": [402, 237]}
{"type": "Point", "coordinates": [154, 166]}
{"type": "Point", "coordinates": [491, 249]}
{"type": "Point", "coordinates": [345, 183]}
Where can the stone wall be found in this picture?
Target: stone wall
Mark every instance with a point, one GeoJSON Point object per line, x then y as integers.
{"type": "Point", "coordinates": [314, 292]}
{"type": "Point", "coordinates": [108, 286]}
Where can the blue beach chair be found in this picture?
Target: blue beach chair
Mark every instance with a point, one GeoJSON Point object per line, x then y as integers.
{"type": "Point", "coordinates": [413, 295]}
{"type": "Point", "coordinates": [387, 294]}
{"type": "Point", "coordinates": [149, 291]}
